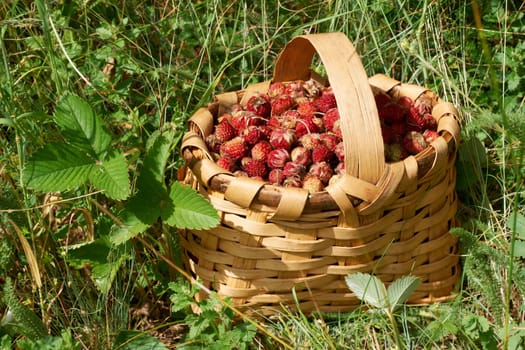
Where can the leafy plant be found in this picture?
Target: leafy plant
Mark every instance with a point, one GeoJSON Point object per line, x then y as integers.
{"type": "Point", "coordinates": [372, 290]}
{"type": "Point", "coordinates": [214, 326]}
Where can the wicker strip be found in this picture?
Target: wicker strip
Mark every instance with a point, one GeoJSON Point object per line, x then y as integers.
{"type": "Point", "coordinates": [280, 246]}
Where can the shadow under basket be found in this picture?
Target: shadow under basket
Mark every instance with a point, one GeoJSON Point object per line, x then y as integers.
{"type": "Point", "coordinates": [285, 246]}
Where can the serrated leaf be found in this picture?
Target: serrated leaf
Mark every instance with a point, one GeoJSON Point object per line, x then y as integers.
{"type": "Point", "coordinates": [81, 127]}
{"type": "Point", "coordinates": [56, 167]}
{"type": "Point", "coordinates": [368, 288]}
{"type": "Point", "coordinates": [132, 227]}
{"type": "Point", "coordinates": [93, 253]}
{"type": "Point", "coordinates": [191, 210]}
{"type": "Point", "coordinates": [136, 340]}
{"type": "Point", "coordinates": [111, 175]}
{"type": "Point", "coordinates": [399, 290]}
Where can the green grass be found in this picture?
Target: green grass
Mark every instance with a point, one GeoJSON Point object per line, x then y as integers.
{"type": "Point", "coordinates": [145, 67]}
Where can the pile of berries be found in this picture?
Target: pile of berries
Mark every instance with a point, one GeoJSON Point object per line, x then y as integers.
{"type": "Point", "coordinates": [291, 135]}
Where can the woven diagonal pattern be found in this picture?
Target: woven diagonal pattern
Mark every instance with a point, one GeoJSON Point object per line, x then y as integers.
{"type": "Point", "coordinates": [284, 246]}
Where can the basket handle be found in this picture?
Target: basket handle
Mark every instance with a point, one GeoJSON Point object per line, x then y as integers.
{"type": "Point", "coordinates": [361, 130]}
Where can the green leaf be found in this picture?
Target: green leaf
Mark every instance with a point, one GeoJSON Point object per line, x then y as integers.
{"type": "Point", "coordinates": [57, 168]}
{"type": "Point", "coordinates": [368, 288]}
{"type": "Point", "coordinates": [516, 222]}
{"type": "Point", "coordinates": [136, 340]}
{"type": "Point", "coordinates": [519, 249]}
{"type": "Point", "coordinates": [132, 227]}
{"type": "Point", "coordinates": [399, 290]}
{"type": "Point", "coordinates": [191, 210]}
{"type": "Point", "coordinates": [111, 175]}
{"type": "Point", "coordinates": [81, 127]}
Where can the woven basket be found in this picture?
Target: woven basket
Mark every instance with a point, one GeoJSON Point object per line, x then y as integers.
{"type": "Point", "coordinates": [283, 246]}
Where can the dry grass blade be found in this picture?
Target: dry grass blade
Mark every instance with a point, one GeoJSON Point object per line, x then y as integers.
{"type": "Point", "coordinates": [30, 256]}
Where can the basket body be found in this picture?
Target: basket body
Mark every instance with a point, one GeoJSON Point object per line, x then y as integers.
{"type": "Point", "coordinates": [277, 246]}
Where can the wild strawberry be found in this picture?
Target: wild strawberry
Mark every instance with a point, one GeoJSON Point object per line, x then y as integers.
{"type": "Point", "coordinates": [430, 121]}
{"type": "Point", "coordinates": [405, 102]}
{"type": "Point", "coordinates": [395, 152]}
{"type": "Point", "coordinates": [281, 104]}
{"type": "Point", "coordinates": [276, 176]}
{"type": "Point", "coordinates": [224, 131]}
{"type": "Point", "coordinates": [266, 131]}
{"type": "Point", "coordinates": [289, 119]}
{"type": "Point", "coordinates": [321, 170]}
{"type": "Point", "coordinates": [224, 117]}
{"type": "Point", "coordinates": [330, 118]}
{"type": "Point", "coordinates": [329, 140]}
{"type": "Point", "coordinates": [423, 106]}
{"type": "Point", "coordinates": [294, 169]}
{"type": "Point", "coordinates": [277, 158]}
{"type": "Point", "coordinates": [307, 109]}
{"type": "Point", "coordinates": [414, 119]}
{"type": "Point", "coordinates": [295, 89]}
{"type": "Point", "coordinates": [293, 181]}
{"type": "Point", "coordinates": [387, 133]}
{"type": "Point", "coordinates": [339, 151]}
{"type": "Point", "coordinates": [313, 88]}
{"type": "Point", "coordinates": [391, 113]}
{"type": "Point", "coordinates": [430, 135]}
{"type": "Point", "coordinates": [254, 167]}
{"type": "Point", "coordinates": [300, 155]}
{"type": "Point", "coordinates": [213, 143]}
{"type": "Point", "coordinates": [310, 141]}
{"type": "Point", "coordinates": [282, 138]}
{"type": "Point", "coordinates": [276, 89]}
{"type": "Point", "coordinates": [241, 120]}
{"type": "Point", "coordinates": [259, 104]}
{"type": "Point", "coordinates": [251, 135]}
{"type": "Point", "coordinates": [226, 163]}
{"type": "Point", "coordinates": [326, 101]}
{"type": "Point", "coordinates": [261, 150]}
{"type": "Point", "coordinates": [382, 99]}
{"type": "Point", "coordinates": [312, 183]}
{"type": "Point", "coordinates": [306, 125]}
{"type": "Point", "coordinates": [340, 168]}
{"type": "Point", "coordinates": [322, 154]}
{"type": "Point", "coordinates": [414, 142]}
{"type": "Point", "coordinates": [234, 148]}
{"type": "Point", "coordinates": [398, 129]}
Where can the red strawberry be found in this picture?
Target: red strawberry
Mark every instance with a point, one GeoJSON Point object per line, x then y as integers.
{"type": "Point", "coordinates": [398, 129]}
{"type": "Point", "coordinates": [254, 167]}
{"type": "Point", "coordinates": [289, 119]}
{"type": "Point", "coordinates": [251, 135]}
{"type": "Point", "coordinates": [234, 148]}
{"type": "Point", "coordinates": [241, 120]}
{"type": "Point", "coordinates": [340, 168]}
{"type": "Point", "coordinates": [330, 119]}
{"type": "Point", "coordinates": [414, 142]}
{"type": "Point", "coordinates": [382, 100]}
{"type": "Point", "coordinates": [294, 169]}
{"type": "Point", "coordinates": [339, 151]}
{"type": "Point", "coordinates": [414, 119]}
{"type": "Point", "coordinates": [282, 138]}
{"type": "Point", "coordinates": [405, 102]}
{"type": "Point", "coordinates": [261, 150]}
{"type": "Point", "coordinates": [295, 89]}
{"type": "Point", "coordinates": [430, 135]}
{"type": "Point", "coordinates": [430, 121]}
{"type": "Point", "coordinates": [307, 109]}
{"type": "Point", "coordinates": [260, 105]}
{"type": "Point", "coordinates": [321, 154]}
{"type": "Point", "coordinates": [276, 89]}
{"type": "Point", "coordinates": [391, 113]}
{"type": "Point", "coordinates": [300, 155]}
{"type": "Point", "coordinates": [326, 101]}
{"type": "Point", "coordinates": [224, 131]}
{"type": "Point", "coordinates": [329, 140]}
{"type": "Point", "coordinates": [310, 141]}
{"type": "Point", "coordinates": [213, 143]}
{"type": "Point", "coordinates": [224, 117]}
{"type": "Point", "coordinates": [281, 104]}
{"type": "Point", "coordinates": [313, 183]}
{"type": "Point", "coordinates": [226, 163]}
{"type": "Point", "coordinates": [321, 170]}
{"type": "Point", "coordinates": [294, 181]}
{"type": "Point", "coordinates": [277, 158]}
{"type": "Point", "coordinates": [305, 126]}
{"type": "Point", "coordinates": [387, 134]}
{"type": "Point", "coordinates": [276, 176]}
